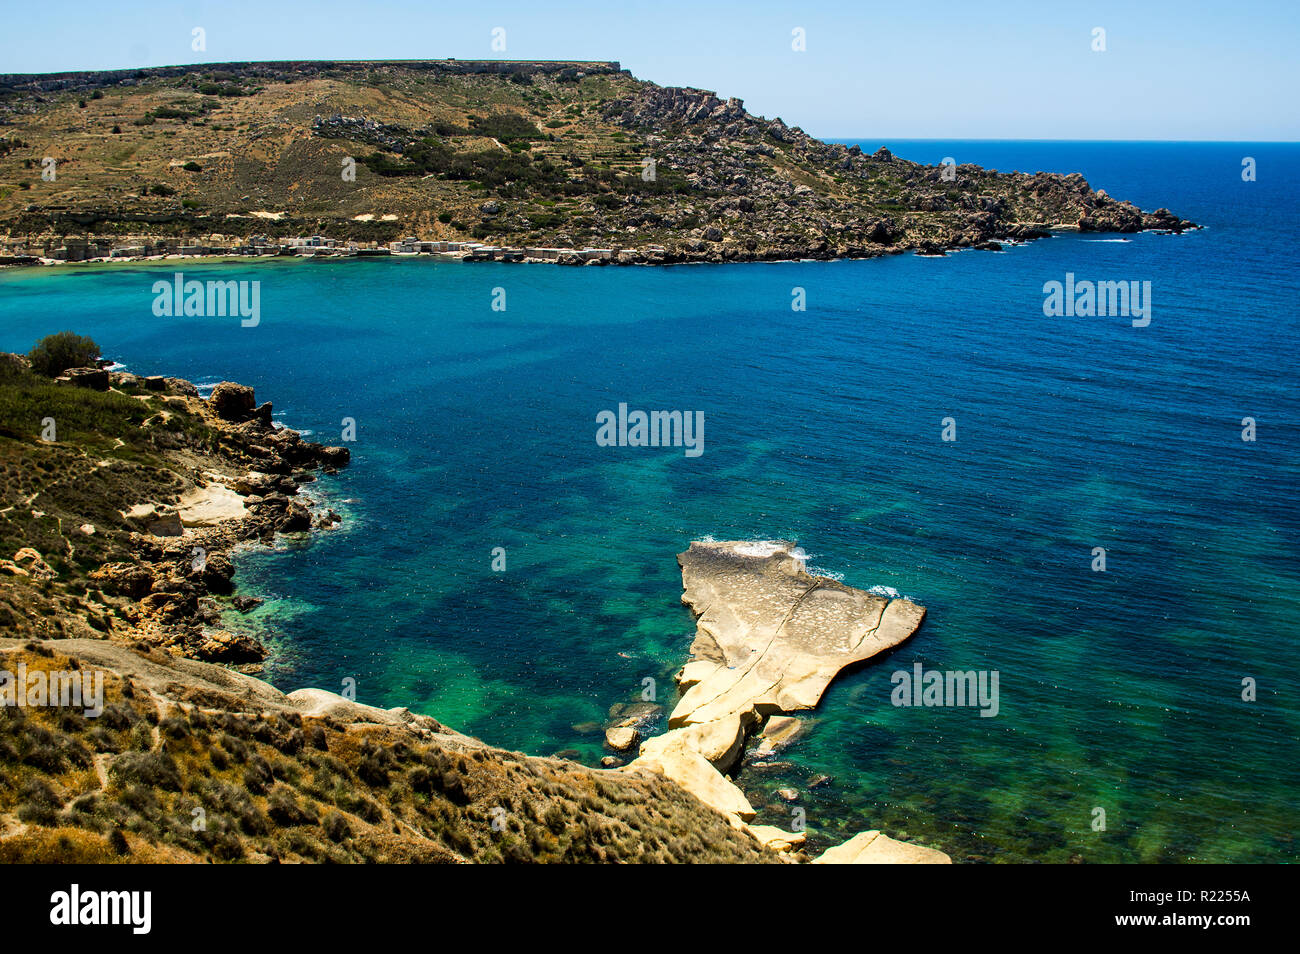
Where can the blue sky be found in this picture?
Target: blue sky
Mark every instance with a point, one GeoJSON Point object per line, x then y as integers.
{"type": "Point", "coordinates": [937, 69]}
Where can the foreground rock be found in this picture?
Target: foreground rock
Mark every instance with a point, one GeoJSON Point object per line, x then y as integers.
{"type": "Point", "coordinates": [874, 848]}
{"type": "Point", "coordinates": [770, 638]}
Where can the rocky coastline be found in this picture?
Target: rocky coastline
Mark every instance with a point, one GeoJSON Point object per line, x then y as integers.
{"type": "Point", "coordinates": [569, 163]}
{"type": "Point", "coordinates": [984, 237]}
{"type": "Point", "coordinates": [139, 597]}
{"type": "Point", "coordinates": [235, 478]}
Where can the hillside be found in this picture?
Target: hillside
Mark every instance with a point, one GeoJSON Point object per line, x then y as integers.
{"type": "Point", "coordinates": [521, 154]}
{"type": "Point", "coordinates": [190, 762]}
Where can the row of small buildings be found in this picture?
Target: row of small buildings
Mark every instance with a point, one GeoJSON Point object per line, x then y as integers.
{"type": "Point", "coordinates": [81, 250]}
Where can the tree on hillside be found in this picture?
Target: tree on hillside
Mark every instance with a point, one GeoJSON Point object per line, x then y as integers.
{"type": "Point", "coordinates": [56, 353]}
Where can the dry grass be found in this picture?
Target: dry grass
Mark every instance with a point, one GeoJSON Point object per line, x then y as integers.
{"type": "Point", "coordinates": [272, 785]}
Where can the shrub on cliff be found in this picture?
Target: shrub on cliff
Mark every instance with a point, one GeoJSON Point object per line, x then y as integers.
{"type": "Point", "coordinates": [56, 353]}
{"type": "Point", "coordinates": [153, 769]}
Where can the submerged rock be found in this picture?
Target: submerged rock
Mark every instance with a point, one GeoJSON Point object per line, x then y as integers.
{"type": "Point", "coordinates": [620, 738]}
{"type": "Point", "coordinates": [779, 732]}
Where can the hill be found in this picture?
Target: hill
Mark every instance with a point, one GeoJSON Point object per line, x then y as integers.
{"type": "Point", "coordinates": [540, 154]}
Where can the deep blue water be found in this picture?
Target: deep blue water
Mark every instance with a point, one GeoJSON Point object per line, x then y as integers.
{"type": "Point", "coordinates": [476, 429]}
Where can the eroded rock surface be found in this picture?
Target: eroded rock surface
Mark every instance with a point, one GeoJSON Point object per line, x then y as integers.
{"type": "Point", "coordinates": [770, 638]}
{"type": "Point", "coordinates": [875, 848]}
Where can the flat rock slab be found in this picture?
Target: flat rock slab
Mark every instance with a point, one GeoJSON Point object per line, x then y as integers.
{"type": "Point", "coordinates": [770, 636]}
{"type": "Point", "coordinates": [210, 505]}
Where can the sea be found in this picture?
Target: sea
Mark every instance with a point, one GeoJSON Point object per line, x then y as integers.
{"type": "Point", "coordinates": [1104, 510]}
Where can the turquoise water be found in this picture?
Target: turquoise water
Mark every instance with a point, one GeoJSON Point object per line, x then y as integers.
{"type": "Point", "coordinates": [476, 429]}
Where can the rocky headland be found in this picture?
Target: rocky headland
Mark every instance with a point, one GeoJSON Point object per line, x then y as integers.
{"type": "Point", "coordinates": [572, 163]}
{"type": "Point", "coordinates": [123, 497]}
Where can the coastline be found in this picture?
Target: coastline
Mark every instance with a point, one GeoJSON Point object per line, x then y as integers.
{"type": "Point", "coordinates": [241, 481]}
{"type": "Point", "coordinates": [585, 257]}
{"type": "Point", "coordinates": [207, 477]}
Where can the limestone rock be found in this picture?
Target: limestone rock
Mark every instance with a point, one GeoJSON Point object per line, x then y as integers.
{"type": "Point", "coordinates": [693, 772]}
{"type": "Point", "coordinates": [123, 579]}
{"type": "Point", "coordinates": [622, 738]}
{"type": "Point", "coordinates": [33, 564]}
{"type": "Point", "coordinates": [252, 483]}
{"type": "Point", "coordinates": [220, 646]}
{"type": "Point", "coordinates": [166, 524]}
{"type": "Point", "coordinates": [720, 741]}
{"type": "Point", "coordinates": [773, 838]}
{"type": "Point", "coordinates": [875, 848]}
{"type": "Point", "coordinates": [210, 505]}
{"type": "Point", "coordinates": [296, 517]}
{"type": "Point", "coordinates": [776, 634]}
{"type": "Point", "coordinates": [335, 456]}
{"type": "Point", "coordinates": [779, 732]}
{"type": "Point", "coordinates": [770, 638]}
{"type": "Point", "coordinates": [232, 402]}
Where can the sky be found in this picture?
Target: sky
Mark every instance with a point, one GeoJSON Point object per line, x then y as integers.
{"type": "Point", "coordinates": [955, 69]}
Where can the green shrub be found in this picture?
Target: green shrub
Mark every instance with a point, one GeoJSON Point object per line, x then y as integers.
{"type": "Point", "coordinates": [56, 353]}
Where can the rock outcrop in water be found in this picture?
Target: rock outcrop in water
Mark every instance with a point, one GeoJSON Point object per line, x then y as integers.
{"type": "Point", "coordinates": [770, 639]}
{"type": "Point", "coordinates": [119, 532]}
{"type": "Point", "coordinates": [132, 512]}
